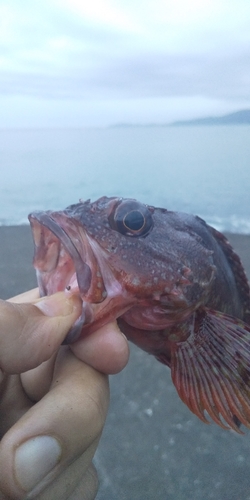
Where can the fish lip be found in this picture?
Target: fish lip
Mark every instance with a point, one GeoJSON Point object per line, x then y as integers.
{"type": "Point", "coordinates": [82, 269]}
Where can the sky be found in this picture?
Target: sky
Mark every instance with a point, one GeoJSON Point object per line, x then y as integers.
{"type": "Point", "coordinates": [77, 63]}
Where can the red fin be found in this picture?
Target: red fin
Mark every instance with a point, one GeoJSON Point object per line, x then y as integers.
{"type": "Point", "coordinates": [211, 369]}
{"type": "Point", "coordinates": [238, 270]}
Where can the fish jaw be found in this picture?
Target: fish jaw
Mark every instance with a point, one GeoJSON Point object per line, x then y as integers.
{"type": "Point", "coordinates": [57, 259]}
{"type": "Point", "coordinates": [66, 259]}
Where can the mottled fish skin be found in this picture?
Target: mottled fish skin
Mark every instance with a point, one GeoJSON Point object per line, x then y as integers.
{"type": "Point", "coordinates": [175, 285]}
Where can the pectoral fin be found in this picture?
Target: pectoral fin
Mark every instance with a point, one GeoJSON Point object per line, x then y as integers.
{"type": "Point", "coordinates": [211, 369]}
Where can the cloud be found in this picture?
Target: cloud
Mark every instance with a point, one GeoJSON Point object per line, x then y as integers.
{"type": "Point", "coordinates": [71, 50]}
{"type": "Point", "coordinates": [137, 75]}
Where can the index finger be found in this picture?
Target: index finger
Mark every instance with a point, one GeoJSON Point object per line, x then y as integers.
{"type": "Point", "coordinates": [106, 350]}
{"type": "Point", "coordinates": [31, 333]}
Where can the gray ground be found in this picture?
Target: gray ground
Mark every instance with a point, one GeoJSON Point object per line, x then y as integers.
{"type": "Point", "coordinates": [152, 446]}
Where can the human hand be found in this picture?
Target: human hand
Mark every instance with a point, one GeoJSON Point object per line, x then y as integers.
{"type": "Point", "coordinates": [52, 404]}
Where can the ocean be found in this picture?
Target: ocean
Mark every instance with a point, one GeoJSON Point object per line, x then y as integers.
{"type": "Point", "coordinates": [200, 170]}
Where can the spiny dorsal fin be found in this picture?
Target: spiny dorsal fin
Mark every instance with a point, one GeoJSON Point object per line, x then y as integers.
{"type": "Point", "coordinates": [238, 271]}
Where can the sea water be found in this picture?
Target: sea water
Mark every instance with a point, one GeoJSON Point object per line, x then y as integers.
{"type": "Point", "coordinates": [200, 170]}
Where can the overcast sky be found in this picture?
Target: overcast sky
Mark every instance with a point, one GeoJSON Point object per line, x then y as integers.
{"type": "Point", "coordinates": [99, 62]}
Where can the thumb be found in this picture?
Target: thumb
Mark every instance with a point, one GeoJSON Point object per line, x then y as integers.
{"type": "Point", "coordinates": [31, 333]}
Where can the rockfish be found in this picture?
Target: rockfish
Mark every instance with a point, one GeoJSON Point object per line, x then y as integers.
{"type": "Point", "coordinates": [175, 285]}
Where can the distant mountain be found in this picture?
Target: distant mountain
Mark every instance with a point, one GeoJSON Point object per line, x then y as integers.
{"type": "Point", "coordinates": [237, 118]}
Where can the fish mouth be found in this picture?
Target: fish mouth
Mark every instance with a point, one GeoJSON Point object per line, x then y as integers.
{"type": "Point", "coordinates": [64, 259]}
{"type": "Point", "coordinates": [67, 259]}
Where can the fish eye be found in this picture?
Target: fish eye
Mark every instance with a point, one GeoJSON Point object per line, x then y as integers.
{"type": "Point", "coordinates": [134, 220]}
{"type": "Point", "coordinates": [131, 218]}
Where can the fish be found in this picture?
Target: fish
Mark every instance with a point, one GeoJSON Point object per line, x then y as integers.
{"type": "Point", "coordinates": [174, 284]}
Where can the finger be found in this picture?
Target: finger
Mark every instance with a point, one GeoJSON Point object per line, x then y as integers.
{"type": "Point", "coordinates": [28, 296]}
{"type": "Point", "coordinates": [87, 487]}
{"type": "Point", "coordinates": [30, 334]}
{"type": "Point", "coordinates": [73, 483]}
{"type": "Point", "coordinates": [13, 403]}
{"type": "Point", "coordinates": [57, 430]}
{"type": "Point", "coordinates": [106, 349]}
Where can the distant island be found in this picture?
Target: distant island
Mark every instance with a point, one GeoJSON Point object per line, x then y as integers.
{"type": "Point", "coordinates": [237, 118]}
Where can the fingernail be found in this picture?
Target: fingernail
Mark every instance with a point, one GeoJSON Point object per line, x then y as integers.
{"type": "Point", "coordinates": [34, 459]}
{"type": "Point", "coordinates": [58, 304]}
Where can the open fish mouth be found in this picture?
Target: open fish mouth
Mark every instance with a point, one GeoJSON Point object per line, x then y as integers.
{"type": "Point", "coordinates": [67, 258]}
{"type": "Point", "coordinates": [64, 258]}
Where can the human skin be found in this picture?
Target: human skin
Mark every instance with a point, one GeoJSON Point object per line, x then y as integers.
{"type": "Point", "coordinates": [53, 398]}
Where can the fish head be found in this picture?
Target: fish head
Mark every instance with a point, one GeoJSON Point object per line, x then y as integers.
{"type": "Point", "coordinates": [117, 253]}
{"type": "Point", "coordinates": [86, 246]}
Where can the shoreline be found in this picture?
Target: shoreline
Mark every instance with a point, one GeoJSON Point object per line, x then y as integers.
{"type": "Point", "coordinates": [16, 255]}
